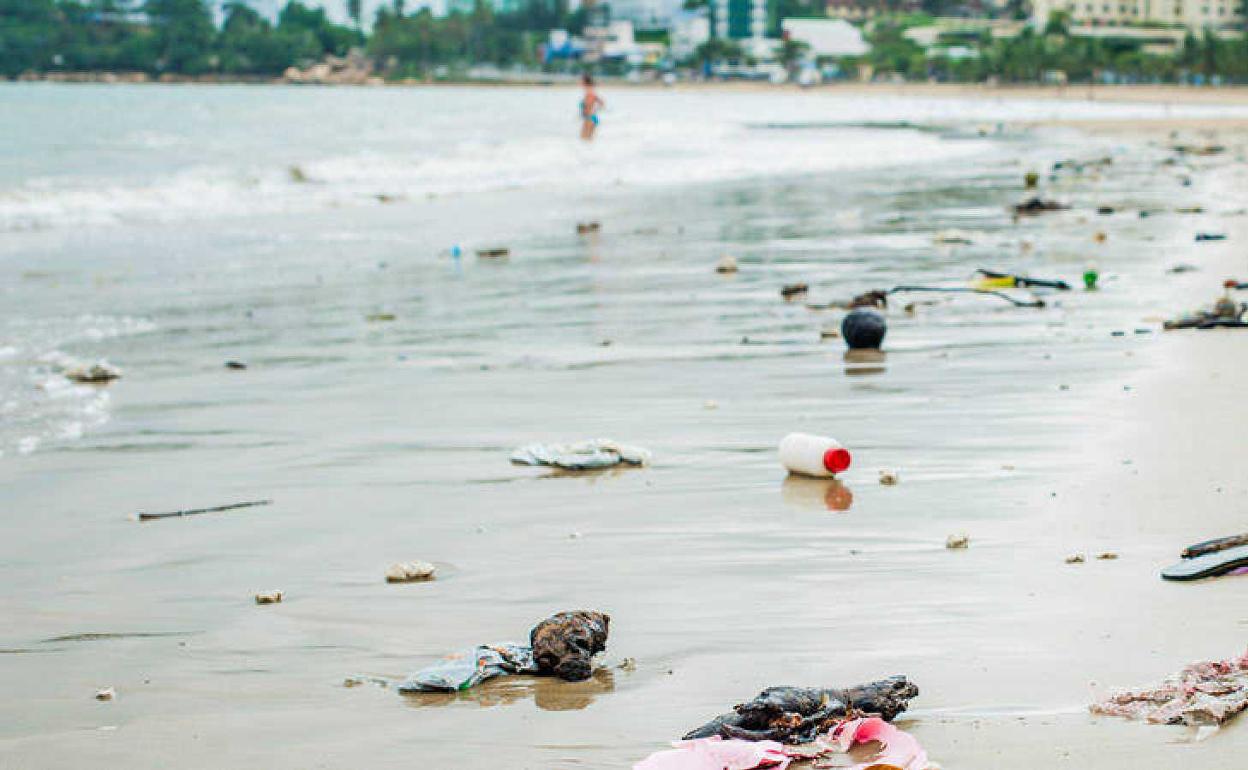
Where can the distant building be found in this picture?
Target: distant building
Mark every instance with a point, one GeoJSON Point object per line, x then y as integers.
{"type": "Point", "coordinates": [857, 10]}
{"type": "Point", "coordinates": [687, 31]}
{"type": "Point", "coordinates": [646, 14]}
{"type": "Point", "coordinates": [743, 21]}
{"type": "Point", "coordinates": [1192, 14]}
{"type": "Point", "coordinates": [826, 37]}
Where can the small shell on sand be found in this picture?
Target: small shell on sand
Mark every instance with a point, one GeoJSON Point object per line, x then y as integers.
{"type": "Point", "coordinates": [958, 540]}
{"type": "Point", "coordinates": [410, 572]}
{"type": "Point", "coordinates": [889, 478]}
{"type": "Point", "coordinates": [108, 693]}
{"type": "Point", "coordinates": [269, 597]}
{"type": "Point", "coordinates": [727, 264]}
{"type": "Point", "coordinates": [1075, 558]}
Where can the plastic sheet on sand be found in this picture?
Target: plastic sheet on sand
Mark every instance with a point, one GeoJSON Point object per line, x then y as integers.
{"type": "Point", "coordinates": [893, 750]}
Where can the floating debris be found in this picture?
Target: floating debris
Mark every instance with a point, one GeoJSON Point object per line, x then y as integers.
{"type": "Point", "coordinates": [584, 228]}
{"type": "Point", "coordinates": [957, 541]}
{"type": "Point", "coordinates": [1075, 558]}
{"type": "Point", "coordinates": [494, 253]}
{"type": "Point", "coordinates": [197, 511]}
{"type": "Point", "coordinates": [586, 455]}
{"type": "Point", "coordinates": [107, 693]}
{"type": "Point", "coordinates": [889, 478]}
{"type": "Point", "coordinates": [96, 373]}
{"type": "Point", "coordinates": [269, 597]}
{"type": "Point", "coordinates": [236, 365]}
{"type": "Point", "coordinates": [727, 264]}
{"type": "Point", "coordinates": [379, 317]}
{"type": "Point", "coordinates": [794, 290]}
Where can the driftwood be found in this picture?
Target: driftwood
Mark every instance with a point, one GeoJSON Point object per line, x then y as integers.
{"type": "Point", "coordinates": [195, 511]}
{"type": "Point", "coordinates": [797, 714]}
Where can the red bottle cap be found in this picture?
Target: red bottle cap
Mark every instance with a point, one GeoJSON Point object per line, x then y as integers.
{"type": "Point", "coordinates": [836, 459]}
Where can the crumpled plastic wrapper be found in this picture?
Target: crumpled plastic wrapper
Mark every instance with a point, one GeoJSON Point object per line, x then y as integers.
{"type": "Point", "coordinates": [467, 669]}
{"type": "Point", "coordinates": [581, 456]}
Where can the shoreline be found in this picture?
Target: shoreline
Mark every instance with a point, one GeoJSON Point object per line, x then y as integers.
{"type": "Point", "coordinates": [1153, 93]}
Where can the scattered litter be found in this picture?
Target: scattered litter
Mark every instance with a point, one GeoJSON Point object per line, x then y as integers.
{"type": "Point", "coordinates": [197, 511]}
{"type": "Point", "coordinates": [1105, 210]}
{"type": "Point", "coordinates": [356, 681]}
{"type": "Point", "coordinates": [628, 664]}
{"type": "Point", "coordinates": [379, 317]}
{"type": "Point", "coordinates": [236, 365]}
{"type": "Point", "coordinates": [562, 645]}
{"type": "Point", "coordinates": [889, 478]}
{"type": "Point", "coordinates": [853, 744]}
{"type": "Point", "coordinates": [493, 253]}
{"type": "Point", "coordinates": [958, 540]}
{"type": "Point", "coordinates": [1199, 149]}
{"type": "Point", "coordinates": [1182, 267]}
{"type": "Point", "coordinates": [1204, 693]}
{"type": "Point", "coordinates": [584, 228]}
{"type": "Point", "coordinates": [1226, 312]}
{"type": "Point", "coordinates": [1037, 205]}
{"type": "Point", "coordinates": [586, 455]}
{"type": "Point", "coordinates": [1210, 237]}
{"type": "Point", "coordinates": [94, 374]}
{"type": "Point", "coordinates": [1100, 237]}
{"type": "Point", "coordinates": [1031, 180]}
{"type": "Point", "coordinates": [107, 693]}
{"type": "Point", "coordinates": [269, 597]}
{"type": "Point", "coordinates": [410, 572]}
{"type": "Point", "coordinates": [864, 329]}
{"type": "Point", "coordinates": [1090, 277]}
{"type": "Point", "coordinates": [1075, 558]}
{"type": "Point", "coordinates": [1107, 556]}
{"type": "Point", "coordinates": [792, 291]}
{"type": "Point", "coordinates": [718, 754]}
{"type": "Point", "coordinates": [1190, 210]}
{"type": "Point", "coordinates": [952, 238]}
{"type": "Point", "coordinates": [995, 279]}
{"type": "Point", "coordinates": [797, 714]}
{"type": "Point", "coordinates": [727, 264]}
{"type": "Point", "coordinates": [810, 455]}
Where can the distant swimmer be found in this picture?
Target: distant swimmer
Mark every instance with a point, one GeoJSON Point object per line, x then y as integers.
{"type": "Point", "coordinates": [591, 103]}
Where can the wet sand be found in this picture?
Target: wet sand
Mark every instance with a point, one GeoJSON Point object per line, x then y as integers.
{"type": "Point", "coordinates": [721, 575]}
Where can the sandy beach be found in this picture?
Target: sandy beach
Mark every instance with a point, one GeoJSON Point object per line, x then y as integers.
{"type": "Point", "coordinates": [1039, 433]}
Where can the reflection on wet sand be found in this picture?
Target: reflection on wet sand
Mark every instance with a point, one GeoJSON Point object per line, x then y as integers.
{"type": "Point", "coordinates": [864, 361]}
{"type": "Point", "coordinates": [548, 693]}
{"type": "Point", "coordinates": [806, 492]}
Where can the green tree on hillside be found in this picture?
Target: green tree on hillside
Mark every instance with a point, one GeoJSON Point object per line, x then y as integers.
{"type": "Point", "coordinates": [184, 34]}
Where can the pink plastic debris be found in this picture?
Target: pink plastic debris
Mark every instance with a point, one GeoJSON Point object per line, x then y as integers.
{"type": "Point", "coordinates": [897, 750]}
{"type": "Point", "coordinates": [1210, 692]}
{"type": "Point", "coordinates": [717, 754]}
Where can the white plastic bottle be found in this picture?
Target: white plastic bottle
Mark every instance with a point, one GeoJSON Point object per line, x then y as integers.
{"type": "Point", "coordinates": [813, 455]}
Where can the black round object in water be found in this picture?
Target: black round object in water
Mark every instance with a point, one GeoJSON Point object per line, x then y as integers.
{"type": "Point", "coordinates": [863, 328]}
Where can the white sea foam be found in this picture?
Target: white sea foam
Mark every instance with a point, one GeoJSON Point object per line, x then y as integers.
{"type": "Point", "coordinates": [465, 142]}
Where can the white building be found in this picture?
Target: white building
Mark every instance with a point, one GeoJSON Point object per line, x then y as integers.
{"type": "Point", "coordinates": [826, 37]}
{"type": "Point", "coordinates": [1193, 14]}
{"type": "Point", "coordinates": [687, 31]}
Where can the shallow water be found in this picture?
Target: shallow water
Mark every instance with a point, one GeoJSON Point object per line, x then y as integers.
{"type": "Point", "coordinates": [387, 440]}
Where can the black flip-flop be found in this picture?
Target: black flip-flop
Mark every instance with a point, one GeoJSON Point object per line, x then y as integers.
{"type": "Point", "coordinates": [1209, 565]}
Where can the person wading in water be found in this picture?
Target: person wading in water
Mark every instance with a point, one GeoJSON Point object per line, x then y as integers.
{"type": "Point", "coordinates": [591, 103]}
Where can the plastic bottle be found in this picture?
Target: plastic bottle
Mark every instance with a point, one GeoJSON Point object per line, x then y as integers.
{"type": "Point", "coordinates": [813, 455]}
